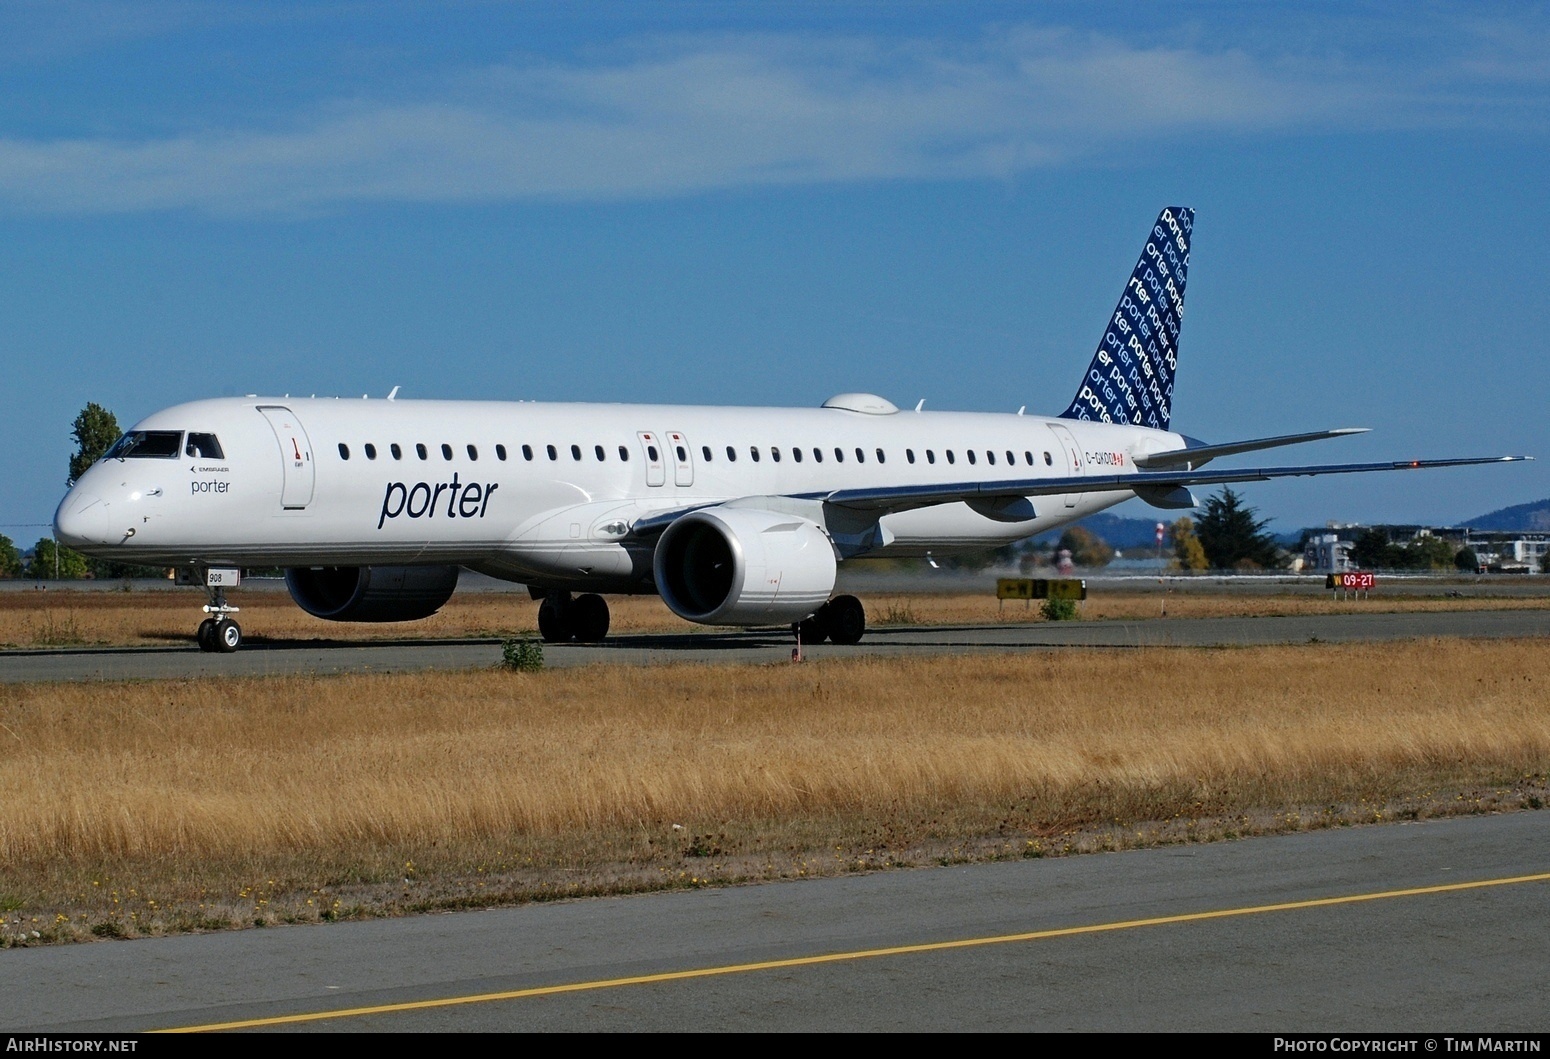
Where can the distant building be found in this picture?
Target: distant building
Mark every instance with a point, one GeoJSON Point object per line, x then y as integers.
{"type": "Point", "coordinates": [1326, 553]}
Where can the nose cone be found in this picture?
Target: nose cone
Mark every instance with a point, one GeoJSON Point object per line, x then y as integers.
{"type": "Point", "coordinates": [84, 520]}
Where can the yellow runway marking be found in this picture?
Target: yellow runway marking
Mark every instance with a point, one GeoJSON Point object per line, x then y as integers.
{"type": "Point", "coordinates": [842, 957]}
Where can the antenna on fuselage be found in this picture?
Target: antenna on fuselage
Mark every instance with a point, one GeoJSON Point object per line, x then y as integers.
{"type": "Point", "coordinates": [920, 404]}
{"type": "Point", "coordinates": [393, 393]}
{"type": "Point", "coordinates": [1023, 409]}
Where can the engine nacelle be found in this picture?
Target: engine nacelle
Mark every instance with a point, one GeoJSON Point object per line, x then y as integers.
{"type": "Point", "coordinates": [741, 566]}
{"type": "Point", "coordinates": [371, 593]}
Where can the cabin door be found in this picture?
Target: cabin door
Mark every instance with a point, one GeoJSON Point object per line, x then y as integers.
{"type": "Point", "coordinates": [295, 457]}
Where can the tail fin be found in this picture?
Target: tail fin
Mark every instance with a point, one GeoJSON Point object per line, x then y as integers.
{"type": "Point", "coordinates": [1131, 378]}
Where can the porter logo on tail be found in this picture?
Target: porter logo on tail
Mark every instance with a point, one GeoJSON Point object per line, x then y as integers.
{"type": "Point", "coordinates": [1131, 378]}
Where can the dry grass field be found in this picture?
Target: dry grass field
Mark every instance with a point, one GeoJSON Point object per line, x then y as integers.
{"type": "Point", "coordinates": [65, 618]}
{"type": "Point", "coordinates": [147, 807]}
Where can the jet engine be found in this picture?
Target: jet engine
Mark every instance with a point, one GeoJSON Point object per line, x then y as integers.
{"type": "Point", "coordinates": [741, 566]}
{"type": "Point", "coordinates": [371, 593]}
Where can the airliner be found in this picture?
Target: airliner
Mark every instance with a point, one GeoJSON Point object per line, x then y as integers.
{"type": "Point", "coordinates": [734, 516]}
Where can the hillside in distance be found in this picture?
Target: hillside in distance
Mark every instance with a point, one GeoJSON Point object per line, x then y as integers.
{"type": "Point", "coordinates": [1520, 518]}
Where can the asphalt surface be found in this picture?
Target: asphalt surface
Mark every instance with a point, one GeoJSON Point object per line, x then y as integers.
{"type": "Point", "coordinates": [312, 656]}
{"type": "Point", "coordinates": [1309, 932]}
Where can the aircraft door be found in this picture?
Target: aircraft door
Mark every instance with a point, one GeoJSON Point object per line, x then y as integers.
{"type": "Point", "coordinates": [683, 458]}
{"type": "Point", "coordinates": [656, 468]}
{"type": "Point", "coordinates": [295, 457]}
{"type": "Point", "coordinates": [1075, 466]}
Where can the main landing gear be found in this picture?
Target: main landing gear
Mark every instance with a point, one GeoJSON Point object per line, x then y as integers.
{"type": "Point", "coordinates": [562, 619]}
{"type": "Point", "coordinates": [842, 620]}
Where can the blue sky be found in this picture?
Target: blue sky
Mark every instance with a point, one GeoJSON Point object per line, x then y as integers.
{"type": "Point", "coordinates": [770, 203]}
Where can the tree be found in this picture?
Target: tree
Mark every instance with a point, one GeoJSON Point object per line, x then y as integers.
{"type": "Point", "coordinates": [1371, 550]}
{"type": "Point", "coordinates": [1467, 560]}
{"type": "Point", "coordinates": [96, 429]}
{"type": "Point", "coordinates": [1187, 551]}
{"type": "Point", "coordinates": [71, 565]}
{"type": "Point", "coordinates": [1232, 537]}
{"type": "Point", "coordinates": [1086, 547]}
{"type": "Point", "coordinates": [10, 558]}
{"type": "Point", "coordinates": [1429, 553]}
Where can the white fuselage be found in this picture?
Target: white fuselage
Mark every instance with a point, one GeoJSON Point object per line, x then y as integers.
{"type": "Point", "coordinates": [550, 493]}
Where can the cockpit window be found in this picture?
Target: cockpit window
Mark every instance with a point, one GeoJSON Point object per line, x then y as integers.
{"type": "Point", "coordinates": [204, 447]}
{"type": "Point", "coordinates": [146, 444]}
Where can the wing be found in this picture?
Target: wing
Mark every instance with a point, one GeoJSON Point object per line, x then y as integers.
{"type": "Point", "coordinates": [907, 497]}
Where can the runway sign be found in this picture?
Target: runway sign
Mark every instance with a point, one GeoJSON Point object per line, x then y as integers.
{"type": "Point", "coordinates": [1041, 588]}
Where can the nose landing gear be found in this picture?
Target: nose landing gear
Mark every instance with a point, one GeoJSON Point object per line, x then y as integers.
{"type": "Point", "coordinates": [218, 632]}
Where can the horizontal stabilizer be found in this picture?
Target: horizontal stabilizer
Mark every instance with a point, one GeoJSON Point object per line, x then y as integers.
{"type": "Point", "coordinates": [1197, 453]}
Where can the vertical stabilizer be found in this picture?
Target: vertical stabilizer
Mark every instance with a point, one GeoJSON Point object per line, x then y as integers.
{"type": "Point", "coordinates": [1131, 378]}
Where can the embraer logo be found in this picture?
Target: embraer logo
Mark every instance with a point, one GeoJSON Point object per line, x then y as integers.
{"type": "Point", "coordinates": [421, 499]}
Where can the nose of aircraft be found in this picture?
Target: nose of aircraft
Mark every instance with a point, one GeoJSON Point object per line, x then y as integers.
{"type": "Point", "coordinates": [84, 519]}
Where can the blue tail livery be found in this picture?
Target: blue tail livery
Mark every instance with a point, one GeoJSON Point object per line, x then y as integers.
{"type": "Point", "coordinates": [1131, 377]}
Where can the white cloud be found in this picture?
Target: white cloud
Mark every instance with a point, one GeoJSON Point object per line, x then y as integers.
{"type": "Point", "coordinates": [706, 113]}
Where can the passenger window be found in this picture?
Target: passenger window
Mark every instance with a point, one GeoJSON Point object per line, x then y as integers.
{"type": "Point", "coordinates": [419, 450]}
{"type": "Point", "coordinates": [554, 453]}
{"type": "Point", "coordinates": [397, 452]}
{"type": "Point", "coordinates": [598, 450]}
{"type": "Point", "coordinates": [683, 457]}
{"type": "Point", "coordinates": [527, 453]}
{"type": "Point", "coordinates": [1011, 460]}
{"type": "Point", "coordinates": [950, 457]}
{"type": "Point", "coordinates": [753, 450]}
{"type": "Point", "coordinates": [652, 454]}
{"type": "Point", "coordinates": [446, 451]}
{"type": "Point", "coordinates": [796, 453]}
{"type": "Point", "coordinates": [880, 457]}
{"type": "Point", "coordinates": [624, 454]}
{"type": "Point", "coordinates": [1048, 462]}
{"type": "Point", "coordinates": [500, 453]}
{"type": "Point", "coordinates": [930, 456]}
{"type": "Point", "coordinates": [990, 457]}
{"type": "Point", "coordinates": [705, 453]}
{"type": "Point", "coordinates": [344, 451]}
{"type": "Point", "coordinates": [839, 454]}
{"type": "Point", "coordinates": [909, 454]}
{"type": "Point", "coordinates": [970, 454]}
{"type": "Point", "coordinates": [371, 451]}
{"type": "Point", "coordinates": [147, 444]}
{"type": "Point", "coordinates": [775, 453]}
{"type": "Point", "coordinates": [731, 454]}
{"type": "Point", "coordinates": [204, 447]}
{"type": "Point", "coordinates": [860, 456]}
{"type": "Point", "coordinates": [575, 452]}
{"type": "Point", "coordinates": [1028, 456]}
{"type": "Point", "coordinates": [817, 454]}
{"type": "Point", "coordinates": [473, 453]}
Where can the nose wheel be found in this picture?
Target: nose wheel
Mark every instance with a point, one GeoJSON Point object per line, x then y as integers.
{"type": "Point", "coordinates": [219, 633]}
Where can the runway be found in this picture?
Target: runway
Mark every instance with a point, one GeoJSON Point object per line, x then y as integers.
{"type": "Point", "coordinates": [1430, 927]}
{"type": "Point", "coordinates": [259, 658]}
